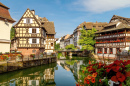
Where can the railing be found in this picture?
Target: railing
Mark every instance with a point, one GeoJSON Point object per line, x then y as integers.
{"type": "Point", "coordinates": [112, 36]}
{"type": "Point", "coordinates": [112, 44]}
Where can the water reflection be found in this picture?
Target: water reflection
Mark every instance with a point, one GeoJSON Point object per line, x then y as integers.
{"type": "Point", "coordinates": [36, 76]}
{"type": "Point", "coordinates": [64, 73]}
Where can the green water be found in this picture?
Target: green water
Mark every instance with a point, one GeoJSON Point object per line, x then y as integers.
{"type": "Point", "coordinates": [62, 73]}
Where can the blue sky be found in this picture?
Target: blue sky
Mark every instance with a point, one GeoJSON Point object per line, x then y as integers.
{"type": "Point", "coordinates": [68, 14]}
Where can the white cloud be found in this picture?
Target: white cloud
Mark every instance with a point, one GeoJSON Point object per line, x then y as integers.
{"type": "Point", "coordinates": [99, 6]}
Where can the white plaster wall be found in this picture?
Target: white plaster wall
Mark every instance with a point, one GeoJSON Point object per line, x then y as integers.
{"type": "Point", "coordinates": [5, 36]}
{"type": "Point", "coordinates": [95, 50]}
{"type": "Point", "coordinates": [71, 41]}
{"type": "Point", "coordinates": [5, 30]}
{"type": "Point", "coordinates": [4, 47]}
{"type": "Point", "coordinates": [127, 48]}
{"type": "Point", "coordinates": [114, 50]}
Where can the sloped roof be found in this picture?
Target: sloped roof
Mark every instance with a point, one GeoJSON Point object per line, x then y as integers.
{"type": "Point", "coordinates": [49, 26]}
{"type": "Point", "coordinates": [121, 19]}
{"type": "Point", "coordinates": [44, 19]}
{"type": "Point", "coordinates": [64, 37]}
{"type": "Point", "coordinates": [2, 5]}
{"type": "Point", "coordinates": [90, 25]}
{"type": "Point", "coordinates": [4, 13]}
{"type": "Point", "coordinates": [120, 26]}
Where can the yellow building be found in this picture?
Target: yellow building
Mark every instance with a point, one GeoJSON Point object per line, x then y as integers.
{"type": "Point", "coordinates": [5, 25]}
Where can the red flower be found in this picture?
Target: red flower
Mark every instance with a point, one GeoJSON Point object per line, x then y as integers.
{"type": "Point", "coordinates": [113, 78]}
{"type": "Point", "coordinates": [120, 76]}
{"type": "Point", "coordinates": [93, 80]}
{"type": "Point", "coordinates": [108, 70]}
{"type": "Point", "coordinates": [83, 71]}
{"type": "Point", "coordinates": [88, 82]}
{"type": "Point", "coordinates": [100, 80]}
{"type": "Point", "coordinates": [127, 74]}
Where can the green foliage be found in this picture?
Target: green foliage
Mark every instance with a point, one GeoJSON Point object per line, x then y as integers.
{"type": "Point", "coordinates": [6, 52]}
{"type": "Point", "coordinates": [87, 39]}
{"type": "Point", "coordinates": [71, 46]}
{"type": "Point", "coordinates": [12, 33]}
{"type": "Point", "coordinates": [59, 55]}
{"type": "Point", "coordinates": [127, 82]}
{"type": "Point", "coordinates": [57, 46]}
{"type": "Point", "coordinates": [71, 62]}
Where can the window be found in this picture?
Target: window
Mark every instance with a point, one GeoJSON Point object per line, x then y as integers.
{"type": "Point", "coordinates": [105, 50]}
{"type": "Point", "coordinates": [51, 44]}
{"type": "Point", "coordinates": [111, 51]}
{"type": "Point", "coordinates": [94, 26]}
{"type": "Point", "coordinates": [33, 51]}
{"type": "Point", "coordinates": [33, 40]}
{"type": "Point", "coordinates": [99, 50]}
{"type": "Point", "coordinates": [34, 30]}
{"type": "Point", "coordinates": [28, 21]}
{"type": "Point", "coordinates": [118, 50]}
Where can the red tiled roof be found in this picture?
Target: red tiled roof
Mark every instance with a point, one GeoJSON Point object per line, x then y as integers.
{"type": "Point", "coordinates": [3, 5]}
{"type": "Point", "coordinates": [4, 13]}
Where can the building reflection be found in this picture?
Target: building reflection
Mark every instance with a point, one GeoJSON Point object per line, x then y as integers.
{"type": "Point", "coordinates": [39, 78]}
{"type": "Point", "coordinates": [73, 66]}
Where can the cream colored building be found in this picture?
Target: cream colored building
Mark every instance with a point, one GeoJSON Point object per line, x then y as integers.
{"type": "Point", "coordinates": [5, 26]}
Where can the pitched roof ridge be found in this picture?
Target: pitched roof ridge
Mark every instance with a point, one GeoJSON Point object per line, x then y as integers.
{"type": "Point", "coordinates": [3, 5]}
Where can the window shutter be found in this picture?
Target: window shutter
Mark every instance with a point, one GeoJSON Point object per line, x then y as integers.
{"type": "Point", "coordinates": [38, 41]}
{"type": "Point", "coordinates": [31, 20]}
{"type": "Point", "coordinates": [37, 29]}
{"type": "Point", "coordinates": [24, 20]}
{"type": "Point", "coordinates": [30, 30]}
{"type": "Point", "coordinates": [30, 41]}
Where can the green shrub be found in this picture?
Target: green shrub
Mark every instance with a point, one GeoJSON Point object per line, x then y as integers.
{"type": "Point", "coordinates": [71, 46]}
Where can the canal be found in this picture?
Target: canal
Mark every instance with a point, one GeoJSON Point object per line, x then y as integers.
{"type": "Point", "coordinates": [62, 73]}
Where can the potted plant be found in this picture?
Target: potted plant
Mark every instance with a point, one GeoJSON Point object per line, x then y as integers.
{"type": "Point", "coordinates": [4, 57]}
{"type": "Point", "coordinates": [32, 55]}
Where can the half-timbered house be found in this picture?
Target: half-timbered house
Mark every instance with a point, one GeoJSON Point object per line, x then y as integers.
{"type": "Point", "coordinates": [113, 38]}
{"type": "Point", "coordinates": [6, 22]}
{"type": "Point", "coordinates": [50, 35]}
{"type": "Point", "coordinates": [29, 34]}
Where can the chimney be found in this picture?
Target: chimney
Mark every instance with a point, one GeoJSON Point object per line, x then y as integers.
{"type": "Point", "coordinates": [33, 11]}
{"type": "Point", "coordinates": [96, 22]}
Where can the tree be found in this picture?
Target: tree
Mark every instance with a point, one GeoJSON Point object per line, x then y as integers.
{"type": "Point", "coordinates": [87, 39]}
{"type": "Point", "coordinates": [57, 46]}
{"type": "Point", "coordinates": [12, 33]}
{"type": "Point", "coordinates": [71, 46]}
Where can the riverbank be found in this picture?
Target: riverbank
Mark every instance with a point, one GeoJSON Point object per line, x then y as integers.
{"type": "Point", "coordinates": [17, 65]}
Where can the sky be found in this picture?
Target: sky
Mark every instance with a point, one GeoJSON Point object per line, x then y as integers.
{"type": "Point", "coordinates": [68, 14]}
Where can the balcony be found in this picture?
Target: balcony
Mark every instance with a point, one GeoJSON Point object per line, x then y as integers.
{"type": "Point", "coordinates": [112, 44]}
{"type": "Point", "coordinates": [112, 36]}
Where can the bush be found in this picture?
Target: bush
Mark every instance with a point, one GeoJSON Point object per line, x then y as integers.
{"type": "Point", "coordinates": [71, 46]}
